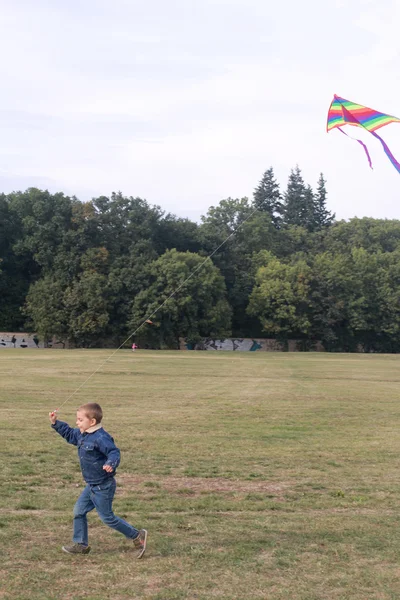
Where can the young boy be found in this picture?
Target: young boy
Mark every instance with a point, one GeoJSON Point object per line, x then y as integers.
{"type": "Point", "coordinates": [99, 458]}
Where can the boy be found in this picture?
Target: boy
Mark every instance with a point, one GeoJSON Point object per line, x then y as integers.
{"type": "Point", "coordinates": [99, 458]}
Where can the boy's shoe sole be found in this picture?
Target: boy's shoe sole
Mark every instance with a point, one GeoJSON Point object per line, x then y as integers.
{"type": "Point", "coordinates": [76, 549]}
{"type": "Point", "coordinates": [140, 543]}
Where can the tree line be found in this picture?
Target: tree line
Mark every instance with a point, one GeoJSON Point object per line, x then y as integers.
{"type": "Point", "coordinates": [92, 272]}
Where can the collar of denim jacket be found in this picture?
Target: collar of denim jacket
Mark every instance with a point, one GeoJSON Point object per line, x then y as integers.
{"type": "Point", "coordinates": [94, 428]}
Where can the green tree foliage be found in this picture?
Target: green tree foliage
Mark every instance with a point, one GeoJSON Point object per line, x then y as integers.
{"type": "Point", "coordinates": [86, 306]}
{"type": "Point", "coordinates": [122, 222]}
{"type": "Point", "coordinates": [192, 295]}
{"type": "Point", "coordinates": [88, 272]}
{"type": "Point", "coordinates": [280, 298]}
{"type": "Point", "coordinates": [43, 219]}
{"type": "Point", "coordinates": [304, 208]}
{"type": "Point", "coordinates": [267, 197]}
{"type": "Point", "coordinates": [238, 230]}
{"type": "Point", "coordinates": [374, 235]}
{"type": "Point", "coordinates": [322, 217]}
{"type": "Point", "coordinates": [348, 301]}
{"type": "Point", "coordinates": [295, 201]}
{"type": "Point", "coordinates": [375, 310]}
{"type": "Point", "coordinates": [17, 268]}
{"type": "Point", "coordinates": [46, 310]}
{"type": "Point", "coordinates": [181, 234]}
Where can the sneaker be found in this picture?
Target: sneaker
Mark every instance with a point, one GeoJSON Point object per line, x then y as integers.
{"type": "Point", "coordinates": [140, 543]}
{"type": "Point", "coordinates": [76, 549]}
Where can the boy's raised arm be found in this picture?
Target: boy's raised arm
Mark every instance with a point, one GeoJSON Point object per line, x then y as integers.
{"type": "Point", "coordinates": [67, 432]}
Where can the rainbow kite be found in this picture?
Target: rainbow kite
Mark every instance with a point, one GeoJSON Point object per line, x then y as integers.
{"type": "Point", "coordinates": [343, 112]}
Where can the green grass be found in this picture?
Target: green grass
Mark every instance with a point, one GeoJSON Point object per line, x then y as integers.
{"type": "Point", "coordinates": [258, 475]}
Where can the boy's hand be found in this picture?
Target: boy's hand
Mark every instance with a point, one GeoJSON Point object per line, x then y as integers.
{"type": "Point", "coordinates": [53, 417]}
{"type": "Point", "coordinates": [108, 468]}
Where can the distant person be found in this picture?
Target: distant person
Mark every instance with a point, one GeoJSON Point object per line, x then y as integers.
{"type": "Point", "coordinates": [13, 340]}
{"type": "Point", "coordinates": [134, 347]}
{"type": "Point", "coordinates": [99, 458]}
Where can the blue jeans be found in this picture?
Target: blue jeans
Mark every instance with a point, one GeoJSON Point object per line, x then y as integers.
{"type": "Point", "coordinates": [99, 497]}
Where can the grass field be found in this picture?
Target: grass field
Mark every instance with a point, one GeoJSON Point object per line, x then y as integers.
{"type": "Point", "coordinates": [257, 475]}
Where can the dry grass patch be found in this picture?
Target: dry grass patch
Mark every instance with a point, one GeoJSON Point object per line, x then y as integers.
{"type": "Point", "coordinates": [204, 485]}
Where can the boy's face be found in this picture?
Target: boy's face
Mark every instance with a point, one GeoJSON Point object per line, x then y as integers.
{"type": "Point", "coordinates": [83, 422]}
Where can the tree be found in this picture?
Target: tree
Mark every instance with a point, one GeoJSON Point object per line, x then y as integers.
{"type": "Point", "coordinates": [43, 219]}
{"type": "Point", "coordinates": [86, 305]}
{"type": "Point", "coordinates": [85, 270]}
{"type": "Point", "coordinates": [267, 197]}
{"type": "Point", "coordinates": [280, 298]}
{"type": "Point", "coordinates": [45, 309]}
{"type": "Point", "coordinates": [127, 277]}
{"type": "Point", "coordinates": [181, 234]}
{"type": "Point", "coordinates": [224, 219]}
{"type": "Point", "coordinates": [304, 208]}
{"type": "Point", "coordinates": [375, 319]}
{"type": "Point", "coordinates": [189, 296]}
{"type": "Point", "coordinates": [295, 212]}
{"type": "Point", "coordinates": [254, 231]}
{"type": "Point", "coordinates": [333, 298]}
{"type": "Point", "coordinates": [16, 270]}
{"type": "Point", "coordinates": [322, 216]}
{"type": "Point", "coordinates": [308, 211]}
{"type": "Point", "coordinates": [78, 311]}
{"type": "Point", "coordinates": [374, 235]}
{"type": "Point", "coordinates": [123, 222]}
{"type": "Point", "coordinates": [355, 300]}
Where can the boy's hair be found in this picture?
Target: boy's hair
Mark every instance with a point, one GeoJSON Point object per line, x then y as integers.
{"type": "Point", "coordinates": [93, 411]}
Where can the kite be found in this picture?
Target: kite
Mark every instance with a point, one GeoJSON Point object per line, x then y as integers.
{"type": "Point", "coordinates": [344, 112]}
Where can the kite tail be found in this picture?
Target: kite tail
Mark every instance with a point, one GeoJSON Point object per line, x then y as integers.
{"type": "Point", "coordinates": [387, 152]}
{"type": "Point", "coordinates": [366, 149]}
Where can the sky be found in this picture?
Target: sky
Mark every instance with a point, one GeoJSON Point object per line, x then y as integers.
{"type": "Point", "coordinates": [187, 102]}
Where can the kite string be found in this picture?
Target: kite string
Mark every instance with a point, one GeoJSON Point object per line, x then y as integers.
{"type": "Point", "coordinates": [159, 307]}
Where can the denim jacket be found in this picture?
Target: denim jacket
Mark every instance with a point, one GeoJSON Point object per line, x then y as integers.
{"type": "Point", "coordinates": [94, 450]}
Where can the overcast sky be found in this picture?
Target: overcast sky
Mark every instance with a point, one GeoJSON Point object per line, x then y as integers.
{"type": "Point", "coordinates": [186, 102]}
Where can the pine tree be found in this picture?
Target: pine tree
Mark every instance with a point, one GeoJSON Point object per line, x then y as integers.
{"type": "Point", "coordinates": [295, 200]}
{"type": "Point", "coordinates": [267, 197]}
{"type": "Point", "coordinates": [323, 217]}
{"type": "Point", "coordinates": [308, 215]}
